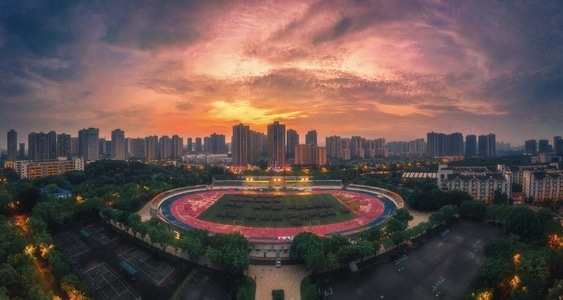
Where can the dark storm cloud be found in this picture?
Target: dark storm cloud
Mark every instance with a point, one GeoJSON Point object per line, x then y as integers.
{"type": "Point", "coordinates": [40, 27]}
{"type": "Point", "coordinates": [151, 25]}
{"type": "Point", "coordinates": [527, 91]}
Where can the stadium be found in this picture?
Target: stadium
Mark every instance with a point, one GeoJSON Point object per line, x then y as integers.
{"type": "Point", "coordinates": [271, 210]}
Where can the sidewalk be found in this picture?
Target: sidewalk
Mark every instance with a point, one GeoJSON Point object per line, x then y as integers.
{"type": "Point", "coordinates": [287, 278]}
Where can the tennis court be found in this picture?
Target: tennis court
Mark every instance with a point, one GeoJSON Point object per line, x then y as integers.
{"type": "Point", "coordinates": [71, 244]}
{"type": "Point", "coordinates": [152, 269]}
{"type": "Point", "coordinates": [106, 284]}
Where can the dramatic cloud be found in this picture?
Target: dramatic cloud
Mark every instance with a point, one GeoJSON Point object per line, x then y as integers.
{"type": "Point", "coordinates": [391, 69]}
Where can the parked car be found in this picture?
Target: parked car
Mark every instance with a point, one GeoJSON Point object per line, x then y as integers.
{"type": "Point", "coordinates": [278, 262]}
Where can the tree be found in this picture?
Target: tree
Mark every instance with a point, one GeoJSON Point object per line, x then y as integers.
{"type": "Point", "coordinates": [305, 243]}
{"type": "Point", "coordinates": [26, 193]}
{"type": "Point", "coordinates": [445, 214]}
{"type": "Point", "coordinates": [533, 271]}
{"type": "Point", "coordinates": [556, 290]}
{"type": "Point", "coordinates": [162, 236]}
{"type": "Point", "coordinates": [493, 271]}
{"type": "Point", "coordinates": [372, 234]}
{"type": "Point", "coordinates": [456, 197]}
{"type": "Point", "coordinates": [230, 251]}
{"type": "Point", "coordinates": [505, 247]}
{"type": "Point", "coordinates": [523, 222]}
{"type": "Point", "coordinates": [331, 261]}
{"type": "Point", "coordinates": [315, 261]}
{"type": "Point", "coordinates": [133, 221]}
{"type": "Point", "coordinates": [473, 210]}
{"type": "Point", "coordinates": [500, 198]}
{"type": "Point", "coordinates": [402, 214]}
{"type": "Point", "coordinates": [193, 243]}
{"type": "Point", "coordinates": [335, 242]}
{"type": "Point", "coordinates": [395, 225]}
{"type": "Point", "coordinates": [498, 212]}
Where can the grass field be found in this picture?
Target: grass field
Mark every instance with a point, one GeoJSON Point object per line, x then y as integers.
{"type": "Point", "coordinates": [257, 210]}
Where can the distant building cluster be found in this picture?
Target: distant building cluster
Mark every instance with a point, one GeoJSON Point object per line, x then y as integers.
{"type": "Point", "coordinates": [279, 147]}
{"type": "Point", "coordinates": [355, 147]}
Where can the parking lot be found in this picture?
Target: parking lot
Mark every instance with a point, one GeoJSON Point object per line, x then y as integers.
{"type": "Point", "coordinates": [441, 267]}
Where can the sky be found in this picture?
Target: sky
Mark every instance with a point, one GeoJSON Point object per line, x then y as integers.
{"type": "Point", "coordinates": [378, 69]}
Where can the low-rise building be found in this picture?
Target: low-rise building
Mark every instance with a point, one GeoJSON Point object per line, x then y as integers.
{"type": "Point", "coordinates": [37, 169]}
{"type": "Point", "coordinates": [479, 182]}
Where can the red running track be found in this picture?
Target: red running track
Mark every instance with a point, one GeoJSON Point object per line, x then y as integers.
{"type": "Point", "coordinates": [187, 208]}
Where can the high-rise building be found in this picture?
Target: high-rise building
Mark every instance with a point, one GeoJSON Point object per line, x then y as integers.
{"type": "Point", "coordinates": [338, 147]}
{"type": "Point", "coordinates": [487, 145]}
{"type": "Point", "coordinates": [40, 146]}
{"type": "Point", "coordinates": [375, 148]}
{"type": "Point", "coordinates": [151, 147]}
{"type": "Point", "coordinates": [118, 144]}
{"type": "Point", "coordinates": [292, 141]}
{"type": "Point", "coordinates": [303, 154]}
{"type": "Point", "coordinates": [63, 145]}
{"type": "Point", "coordinates": [343, 149]}
{"type": "Point", "coordinates": [206, 144]}
{"type": "Point", "coordinates": [102, 148]}
{"type": "Point", "coordinates": [311, 137]}
{"type": "Point", "coordinates": [470, 146]}
{"type": "Point", "coordinates": [21, 152]}
{"type": "Point", "coordinates": [454, 144]}
{"type": "Point", "coordinates": [177, 146]}
{"type": "Point", "coordinates": [258, 145]}
{"type": "Point", "coordinates": [240, 145]}
{"type": "Point", "coordinates": [436, 144]}
{"type": "Point", "coordinates": [137, 149]}
{"type": "Point", "coordinates": [190, 145]}
{"type": "Point", "coordinates": [276, 144]}
{"type": "Point", "coordinates": [217, 144]}
{"type": "Point", "coordinates": [198, 145]}
{"type": "Point", "coordinates": [310, 155]}
{"type": "Point", "coordinates": [74, 146]}
{"type": "Point", "coordinates": [530, 147]}
{"type": "Point", "coordinates": [88, 144]}
{"type": "Point", "coordinates": [53, 149]}
{"type": "Point", "coordinates": [331, 143]}
{"type": "Point", "coordinates": [165, 147]}
{"type": "Point", "coordinates": [558, 145]}
{"type": "Point", "coordinates": [319, 155]}
{"type": "Point", "coordinates": [357, 147]}
{"type": "Point", "coordinates": [12, 145]}
{"type": "Point", "coordinates": [543, 146]}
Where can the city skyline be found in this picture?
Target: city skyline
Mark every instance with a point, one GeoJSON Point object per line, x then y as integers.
{"type": "Point", "coordinates": [395, 70]}
{"type": "Point", "coordinates": [187, 141]}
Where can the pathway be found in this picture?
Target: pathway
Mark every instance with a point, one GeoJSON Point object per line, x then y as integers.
{"type": "Point", "coordinates": [287, 278]}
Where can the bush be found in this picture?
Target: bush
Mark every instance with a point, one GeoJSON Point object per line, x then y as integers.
{"type": "Point", "coordinates": [278, 295]}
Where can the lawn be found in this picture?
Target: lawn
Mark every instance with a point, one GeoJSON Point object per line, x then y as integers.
{"type": "Point", "coordinates": [265, 210]}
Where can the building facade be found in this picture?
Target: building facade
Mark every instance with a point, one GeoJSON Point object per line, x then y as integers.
{"type": "Point", "coordinates": [541, 186]}
{"type": "Point", "coordinates": [12, 140]}
{"type": "Point", "coordinates": [292, 141]}
{"type": "Point", "coordinates": [118, 144]}
{"type": "Point", "coordinates": [240, 145]}
{"type": "Point", "coordinates": [88, 144]}
{"type": "Point", "coordinates": [276, 145]}
{"type": "Point", "coordinates": [479, 182]}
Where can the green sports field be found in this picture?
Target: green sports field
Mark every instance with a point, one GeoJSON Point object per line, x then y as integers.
{"type": "Point", "coordinates": [259, 210]}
